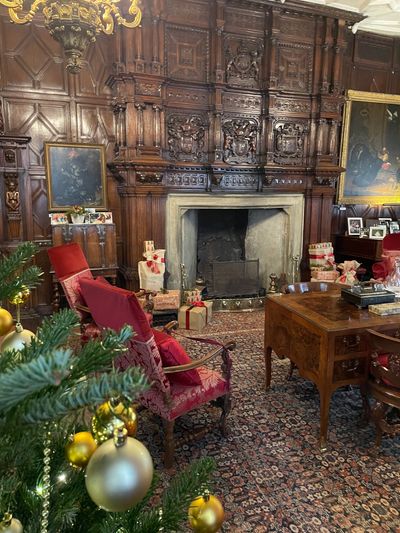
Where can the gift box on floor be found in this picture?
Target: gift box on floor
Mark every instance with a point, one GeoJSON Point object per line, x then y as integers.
{"type": "Point", "coordinates": [167, 300]}
{"type": "Point", "coordinates": [195, 316]}
{"type": "Point", "coordinates": [321, 255]}
{"type": "Point", "coordinates": [192, 295]}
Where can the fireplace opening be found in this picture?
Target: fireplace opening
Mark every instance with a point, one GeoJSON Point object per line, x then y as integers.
{"type": "Point", "coordinates": [223, 265]}
{"type": "Point", "coordinates": [273, 236]}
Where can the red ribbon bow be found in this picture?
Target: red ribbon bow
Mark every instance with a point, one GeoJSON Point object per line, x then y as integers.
{"type": "Point", "coordinates": [153, 266]}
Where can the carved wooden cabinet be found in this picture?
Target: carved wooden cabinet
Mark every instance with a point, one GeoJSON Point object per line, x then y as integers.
{"type": "Point", "coordinates": [98, 242]}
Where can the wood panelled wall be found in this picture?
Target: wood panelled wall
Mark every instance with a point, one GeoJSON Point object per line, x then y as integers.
{"type": "Point", "coordinates": [208, 95]}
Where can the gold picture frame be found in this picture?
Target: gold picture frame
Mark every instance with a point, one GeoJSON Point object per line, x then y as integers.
{"type": "Point", "coordinates": [370, 149]}
{"type": "Point", "coordinates": [76, 175]}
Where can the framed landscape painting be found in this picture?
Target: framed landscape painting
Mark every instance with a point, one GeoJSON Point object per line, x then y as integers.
{"type": "Point", "coordinates": [370, 149]}
{"type": "Point", "coordinates": [76, 175]}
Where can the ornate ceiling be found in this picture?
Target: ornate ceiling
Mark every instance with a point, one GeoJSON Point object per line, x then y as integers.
{"type": "Point", "coordinates": [381, 16]}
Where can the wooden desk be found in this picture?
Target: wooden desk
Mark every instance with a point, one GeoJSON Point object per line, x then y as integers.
{"type": "Point", "coordinates": [325, 337]}
{"type": "Point", "coordinates": [348, 247]}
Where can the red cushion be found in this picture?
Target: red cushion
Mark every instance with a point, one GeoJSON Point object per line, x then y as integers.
{"type": "Point", "coordinates": [67, 259]}
{"type": "Point", "coordinates": [112, 307]}
{"type": "Point", "coordinates": [172, 354]}
{"type": "Point", "coordinates": [383, 360]}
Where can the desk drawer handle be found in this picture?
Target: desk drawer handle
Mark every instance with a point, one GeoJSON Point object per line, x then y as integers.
{"type": "Point", "coordinates": [350, 366]}
{"type": "Point", "coordinates": [352, 342]}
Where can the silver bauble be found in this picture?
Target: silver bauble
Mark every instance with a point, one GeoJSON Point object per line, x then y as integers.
{"type": "Point", "coordinates": [10, 524]}
{"type": "Point", "coordinates": [119, 473]}
{"type": "Point", "coordinates": [17, 339]}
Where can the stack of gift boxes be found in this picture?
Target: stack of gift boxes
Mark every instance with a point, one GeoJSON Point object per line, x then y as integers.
{"type": "Point", "coordinates": [151, 276]}
{"type": "Point", "coordinates": [194, 314]}
{"type": "Point", "coordinates": [322, 262]}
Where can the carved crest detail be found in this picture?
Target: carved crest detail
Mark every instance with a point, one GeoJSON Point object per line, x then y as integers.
{"type": "Point", "coordinates": [289, 142]}
{"type": "Point", "coordinates": [243, 66]}
{"type": "Point", "coordinates": [186, 137]}
{"type": "Point", "coordinates": [240, 141]}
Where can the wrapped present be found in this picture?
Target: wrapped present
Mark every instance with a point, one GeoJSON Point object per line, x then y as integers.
{"type": "Point", "coordinates": [148, 248]}
{"type": "Point", "coordinates": [321, 255]}
{"type": "Point", "coordinates": [324, 275]}
{"type": "Point", "coordinates": [349, 272]}
{"type": "Point", "coordinates": [151, 275]}
{"type": "Point", "coordinates": [195, 316]}
{"type": "Point", "coordinates": [192, 295]}
{"type": "Point", "coordinates": [167, 300]}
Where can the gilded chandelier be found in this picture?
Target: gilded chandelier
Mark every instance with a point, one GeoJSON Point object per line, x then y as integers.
{"type": "Point", "coordinates": [75, 23]}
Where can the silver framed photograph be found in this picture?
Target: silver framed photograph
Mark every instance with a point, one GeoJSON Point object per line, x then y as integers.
{"type": "Point", "coordinates": [377, 232]}
{"type": "Point", "coordinates": [354, 225]}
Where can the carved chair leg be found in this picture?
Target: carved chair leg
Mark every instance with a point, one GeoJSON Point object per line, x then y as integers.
{"type": "Point", "coordinates": [290, 373]}
{"type": "Point", "coordinates": [378, 413]}
{"type": "Point", "coordinates": [169, 445]}
{"type": "Point", "coordinates": [226, 406]}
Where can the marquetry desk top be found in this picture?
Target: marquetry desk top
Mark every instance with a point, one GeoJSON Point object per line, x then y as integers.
{"type": "Point", "coordinates": [328, 311]}
{"type": "Point", "coordinates": [325, 337]}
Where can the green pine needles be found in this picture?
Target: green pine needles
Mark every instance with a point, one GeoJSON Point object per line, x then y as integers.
{"type": "Point", "coordinates": [15, 275]}
{"type": "Point", "coordinates": [55, 385]}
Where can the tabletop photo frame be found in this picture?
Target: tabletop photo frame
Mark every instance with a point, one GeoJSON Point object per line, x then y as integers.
{"type": "Point", "coordinates": [76, 175]}
{"type": "Point", "coordinates": [370, 151]}
{"type": "Point", "coordinates": [354, 225]}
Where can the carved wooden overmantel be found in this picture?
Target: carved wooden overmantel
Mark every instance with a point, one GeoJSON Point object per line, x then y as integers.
{"type": "Point", "coordinates": [207, 96]}
{"type": "Point", "coordinates": [247, 97]}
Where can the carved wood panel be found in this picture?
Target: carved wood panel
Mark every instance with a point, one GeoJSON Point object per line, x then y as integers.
{"type": "Point", "coordinates": [187, 53]}
{"type": "Point", "coordinates": [294, 63]}
{"type": "Point", "coordinates": [243, 59]}
{"type": "Point", "coordinates": [187, 137]}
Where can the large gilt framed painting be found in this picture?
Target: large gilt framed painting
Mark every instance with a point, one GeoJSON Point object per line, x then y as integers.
{"type": "Point", "coordinates": [76, 175]}
{"type": "Point", "coordinates": [370, 149]}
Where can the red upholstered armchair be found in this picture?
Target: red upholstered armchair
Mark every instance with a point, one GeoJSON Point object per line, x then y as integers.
{"type": "Point", "coordinates": [384, 383]}
{"type": "Point", "coordinates": [70, 266]}
{"type": "Point", "coordinates": [178, 384]}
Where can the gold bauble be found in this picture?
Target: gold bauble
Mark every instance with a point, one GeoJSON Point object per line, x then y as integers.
{"type": "Point", "coordinates": [10, 524]}
{"type": "Point", "coordinates": [80, 448]}
{"type": "Point", "coordinates": [21, 296]}
{"type": "Point", "coordinates": [111, 416]}
{"type": "Point", "coordinates": [6, 321]}
{"type": "Point", "coordinates": [18, 339]}
{"type": "Point", "coordinates": [119, 473]}
{"type": "Point", "coordinates": [206, 514]}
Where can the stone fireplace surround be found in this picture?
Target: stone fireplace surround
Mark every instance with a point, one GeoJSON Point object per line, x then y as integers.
{"type": "Point", "coordinates": [274, 235]}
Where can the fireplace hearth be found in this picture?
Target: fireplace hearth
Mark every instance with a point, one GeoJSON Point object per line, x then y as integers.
{"type": "Point", "coordinates": [271, 236]}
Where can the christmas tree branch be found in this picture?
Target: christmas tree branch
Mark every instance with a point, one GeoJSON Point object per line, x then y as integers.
{"type": "Point", "coordinates": [13, 277]}
{"type": "Point", "coordinates": [55, 331]}
{"type": "Point", "coordinates": [186, 486]}
{"type": "Point", "coordinates": [92, 391]}
{"type": "Point", "coordinates": [97, 356]}
{"type": "Point", "coordinates": [24, 380]}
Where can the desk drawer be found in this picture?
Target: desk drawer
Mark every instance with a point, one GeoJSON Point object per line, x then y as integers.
{"type": "Point", "coordinates": [347, 344]}
{"type": "Point", "coordinates": [348, 369]}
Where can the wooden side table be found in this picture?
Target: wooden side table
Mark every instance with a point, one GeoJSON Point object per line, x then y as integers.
{"type": "Point", "coordinates": [98, 242]}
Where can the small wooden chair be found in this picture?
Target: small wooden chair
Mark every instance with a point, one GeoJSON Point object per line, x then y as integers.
{"type": "Point", "coordinates": [384, 382]}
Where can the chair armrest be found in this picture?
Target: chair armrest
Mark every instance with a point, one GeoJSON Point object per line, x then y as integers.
{"type": "Point", "coordinates": [170, 327]}
{"type": "Point", "coordinates": [81, 307]}
{"type": "Point", "coordinates": [200, 362]}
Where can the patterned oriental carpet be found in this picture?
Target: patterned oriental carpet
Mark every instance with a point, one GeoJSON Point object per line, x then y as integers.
{"type": "Point", "coordinates": [270, 475]}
